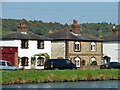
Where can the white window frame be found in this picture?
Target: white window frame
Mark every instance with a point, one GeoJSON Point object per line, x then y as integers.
{"type": "Point", "coordinates": [77, 60]}
{"type": "Point", "coordinates": [93, 46]}
{"type": "Point", "coordinates": [76, 48]}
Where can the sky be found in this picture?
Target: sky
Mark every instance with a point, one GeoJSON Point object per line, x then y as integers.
{"type": "Point", "coordinates": [62, 12]}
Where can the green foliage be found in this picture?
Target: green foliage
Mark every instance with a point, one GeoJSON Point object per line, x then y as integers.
{"type": "Point", "coordinates": [94, 63]}
{"type": "Point", "coordinates": [42, 76]}
{"type": "Point", "coordinates": [41, 55]}
{"type": "Point", "coordinates": [33, 60]}
{"type": "Point", "coordinates": [18, 60]}
{"type": "Point", "coordinates": [39, 27]}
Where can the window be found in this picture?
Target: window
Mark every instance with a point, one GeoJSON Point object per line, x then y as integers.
{"type": "Point", "coordinates": [77, 62]}
{"type": "Point", "coordinates": [40, 44]}
{"type": "Point", "coordinates": [77, 46]}
{"type": "Point", "coordinates": [24, 44]}
{"type": "Point", "coordinates": [92, 59]}
{"type": "Point", "coordinates": [68, 62]}
{"type": "Point", "coordinates": [2, 63]}
{"type": "Point", "coordinates": [40, 62]}
{"type": "Point", "coordinates": [24, 61]}
{"type": "Point", "coordinates": [92, 46]}
{"type": "Point", "coordinates": [9, 64]}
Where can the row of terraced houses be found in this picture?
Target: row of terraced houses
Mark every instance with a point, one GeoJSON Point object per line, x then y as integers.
{"type": "Point", "coordinates": [78, 47]}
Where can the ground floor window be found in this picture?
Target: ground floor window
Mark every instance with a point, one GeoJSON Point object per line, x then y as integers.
{"type": "Point", "coordinates": [24, 61]}
{"type": "Point", "coordinates": [40, 62]}
{"type": "Point", "coordinates": [93, 61]}
{"type": "Point", "coordinates": [77, 62]}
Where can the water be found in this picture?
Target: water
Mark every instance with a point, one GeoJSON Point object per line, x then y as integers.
{"type": "Point", "coordinates": [82, 84]}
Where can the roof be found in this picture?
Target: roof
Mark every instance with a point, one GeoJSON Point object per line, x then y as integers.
{"type": "Point", "coordinates": [67, 35]}
{"type": "Point", "coordinates": [111, 38]}
{"type": "Point", "coordinates": [28, 36]}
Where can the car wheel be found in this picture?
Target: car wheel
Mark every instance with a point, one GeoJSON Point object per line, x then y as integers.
{"type": "Point", "coordinates": [56, 69]}
{"type": "Point", "coordinates": [73, 68]}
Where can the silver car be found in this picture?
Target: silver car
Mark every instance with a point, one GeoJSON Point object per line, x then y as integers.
{"type": "Point", "coordinates": [6, 65]}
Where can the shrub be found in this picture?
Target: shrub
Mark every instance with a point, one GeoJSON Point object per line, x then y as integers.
{"type": "Point", "coordinates": [94, 63]}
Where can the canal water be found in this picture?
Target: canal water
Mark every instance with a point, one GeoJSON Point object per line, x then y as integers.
{"type": "Point", "coordinates": [82, 84]}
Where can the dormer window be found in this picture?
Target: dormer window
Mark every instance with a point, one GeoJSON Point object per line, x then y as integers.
{"type": "Point", "coordinates": [93, 46]}
{"type": "Point", "coordinates": [24, 44]}
{"type": "Point", "coordinates": [40, 45]}
{"type": "Point", "coordinates": [77, 46]}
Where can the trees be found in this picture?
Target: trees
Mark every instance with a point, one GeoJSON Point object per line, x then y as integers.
{"type": "Point", "coordinates": [39, 27]}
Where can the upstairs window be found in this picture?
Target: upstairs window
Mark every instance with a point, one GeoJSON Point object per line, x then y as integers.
{"type": "Point", "coordinates": [24, 61]}
{"type": "Point", "coordinates": [77, 46]}
{"type": "Point", "coordinates": [24, 44]}
{"type": "Point", "coordinates": [93, 46]}
{"type": "Point", "coordinates": [40, 45]}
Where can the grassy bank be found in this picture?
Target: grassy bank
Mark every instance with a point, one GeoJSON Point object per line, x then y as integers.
{"type": "Point", "coordinates": [44, 76]}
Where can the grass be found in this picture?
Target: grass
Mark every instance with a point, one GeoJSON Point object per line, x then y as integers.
{"type": "Point", "coordinates": [44, 76]}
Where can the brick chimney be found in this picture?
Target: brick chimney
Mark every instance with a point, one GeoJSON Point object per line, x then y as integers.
{"type": "Point", "coordinates": [114, 30]}
{"type": "Point", "coordinates": [21, 28]}
{"type": "Point", "coordinates": [75, 27]}
{"type": "Point", "coordinates": [100, 36]}
{"type": "Point", "coordinates": [51, 32]}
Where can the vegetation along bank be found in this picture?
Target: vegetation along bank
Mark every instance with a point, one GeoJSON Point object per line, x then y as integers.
{"type": "Point", "coordinates": [45, 76]}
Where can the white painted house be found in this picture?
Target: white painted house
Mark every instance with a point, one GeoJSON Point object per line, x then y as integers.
{"type": "Point", "coordinates": [28, 45]}
{"type": "Point", "coordinates": [111, 46]}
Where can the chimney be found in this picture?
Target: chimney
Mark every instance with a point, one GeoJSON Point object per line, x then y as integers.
{"type": "Point", "coordinates": [114, 30]}
{"type": "Point", "coordinates": [75, 27]}
{"type": "Point", "coordinates": [51, 32]}
{"type": "Point", "coordinates": [21, 28]}
{"type": "Point", "coordinates": [100, 36]}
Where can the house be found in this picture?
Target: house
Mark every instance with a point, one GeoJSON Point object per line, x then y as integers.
{"type": "Point", "coordinates": [111, 47]}
{"type": "Point", "coordinates": [80, 48]}
{"type": "Point", "coordinates": [28, 45]}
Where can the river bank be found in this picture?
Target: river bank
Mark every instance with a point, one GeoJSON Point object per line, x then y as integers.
{"type": "Point", "coordinates": [45, 76]}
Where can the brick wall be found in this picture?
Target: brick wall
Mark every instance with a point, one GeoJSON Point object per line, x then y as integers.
{"type": "Point", "coordinates": [86, 53]}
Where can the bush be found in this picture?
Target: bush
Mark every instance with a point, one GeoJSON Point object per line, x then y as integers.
{"type": "Point", "coordinates": [94, 63]}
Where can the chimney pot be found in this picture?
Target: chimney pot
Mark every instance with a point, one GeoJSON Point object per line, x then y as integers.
{"type": "Point", "coordinates": [100, 36]}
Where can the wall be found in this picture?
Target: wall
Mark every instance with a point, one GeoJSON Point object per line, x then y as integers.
{"type": "Point", "coordinates": [30, 51]}
{"type": "Point", "coordinates": [9, 54]}
{"type": "Point", "coordinates": [85, 53]}
{"type": "Point", "coordinates": [112, 50]}
{"type": "Point", "coordinates": [58, 49]}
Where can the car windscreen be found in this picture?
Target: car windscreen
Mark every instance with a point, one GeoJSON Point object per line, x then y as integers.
{"type": "Point", "coordinates": [2, 63]}
{"type": "Point", "coordinates": [9, 64]}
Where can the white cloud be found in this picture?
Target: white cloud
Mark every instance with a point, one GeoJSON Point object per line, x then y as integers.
{"type": "Point", "coordinates": [60, 0]}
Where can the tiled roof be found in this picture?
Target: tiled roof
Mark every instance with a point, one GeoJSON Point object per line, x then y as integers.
{"type": "Point", "coordinates": [111, 38]}
{"type": "Point", "coordinates": [28, 36]}
{"type": "Point", "coordinates": [67, 35]}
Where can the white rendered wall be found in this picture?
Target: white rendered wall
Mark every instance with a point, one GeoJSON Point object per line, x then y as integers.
{"type": "Point", "coordinates": [32, 50]}
{"type": "Point", "coordinates": [112, 50]}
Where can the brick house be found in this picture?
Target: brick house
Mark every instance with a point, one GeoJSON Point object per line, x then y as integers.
{"type": "Point", "coordinates": [28, 44]}
{"type": "Point", "coordinates": [80, 48]}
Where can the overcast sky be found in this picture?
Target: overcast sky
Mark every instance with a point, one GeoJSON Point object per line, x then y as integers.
{"type": "Point", "coordinates": [63, 12]}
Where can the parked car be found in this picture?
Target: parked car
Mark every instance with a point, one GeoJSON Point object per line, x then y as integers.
{"type": "Point", "coordinates": [6, 65]}
{"type": "Point", "coordinates": [56, 64]}
{"type": "Point", "coordinates": [111, 65]}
